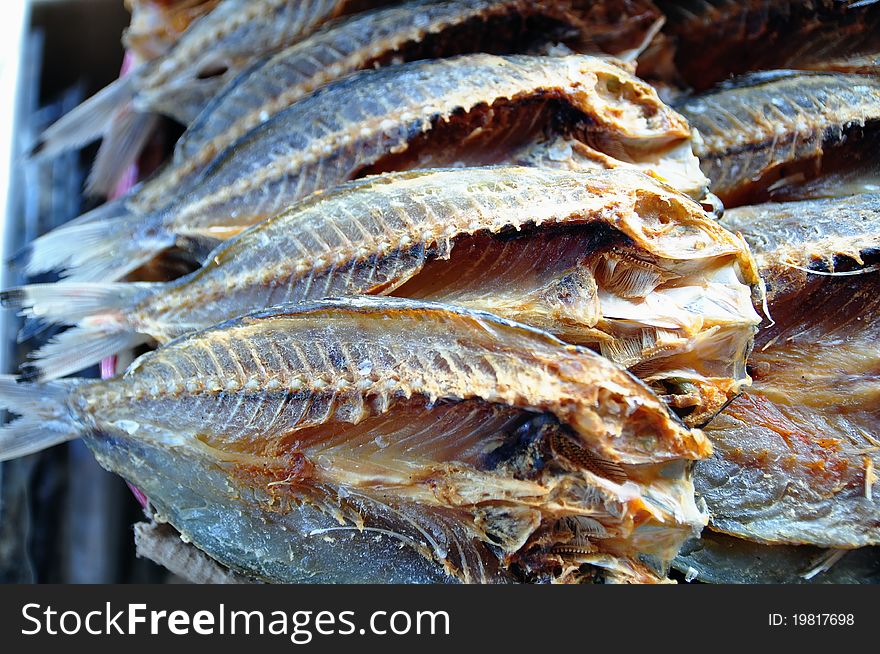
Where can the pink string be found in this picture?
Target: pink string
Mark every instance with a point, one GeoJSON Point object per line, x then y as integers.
{"type": "Point", "coordinates": [129, 179]}
{"type": "Point", "coordinates": [138, 495]}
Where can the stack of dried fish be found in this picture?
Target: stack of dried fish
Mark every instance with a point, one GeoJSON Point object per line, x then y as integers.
{"type": "Point", "coordinates": [537, 395]}
{"type": "Point", "coordinates": [790, 485]}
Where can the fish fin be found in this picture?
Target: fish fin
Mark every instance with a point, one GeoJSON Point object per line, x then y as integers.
{"type": "Point", "coordinates": [97, 250]}
{"type": "Point", "coordinates": [128, 133]}
{"type": "Point", "coordinates": [87, 122]}
{"type": "Point", "coordinates": [440, 534]}
{"type": "Point", "coordinates": [76, 349]}
{"type": "Point", "coordinates": [45, 419]}
{"type": "Point", "coordinates": [32, 327]}
{"type": "Point", "coordinates": [113, 209]}
{"type": "Point", "coordinates": [99, 313]}
{"type": "Point", "coordinates": [69, 304]}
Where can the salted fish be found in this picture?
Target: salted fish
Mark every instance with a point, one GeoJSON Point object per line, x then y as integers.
{"type": "Point", "coordinates": [468, 110]}
{"type": "Point", "coordinates": [770, 136]}
{"type": "Point", "coordinates": [710, 40]}
{"type": "Point", "coordinates": [612, 259]}
{"type": "Point", "coordinates": [210, 53]}
{"type": "Point", "coordinates": [796, 454]}
{"type": "Point", "coordinates": [156, 25]}
{"type": "Point", "coordinates": [490, 448]}
{"type": "Point", "coordinates": [421, 29]}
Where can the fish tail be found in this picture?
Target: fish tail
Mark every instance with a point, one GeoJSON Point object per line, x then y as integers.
{"type": "Point", "coordinates": [101, 249]}
{"type": "Point", "coordinates": [98, 313]}
{"type": "Point", "coordinates": [45, 417]}
{"type": "Point", "coordinates": [123, 142]}
{"type": "Point", "coordinates": [118, 208]}
{"type": "Point", "coordinates": [89, 121]}
{"type": "Point", "coordinates": [108, 211]}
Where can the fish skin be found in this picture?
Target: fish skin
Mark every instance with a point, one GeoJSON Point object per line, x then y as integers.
{"type": "Point", "coordinates": [794, 455]}
{"type": "Point", "coordinates": [757, 131]}
{"type": "Point", "coordinates": [295, 547]}
{"type": "Point", "coordinates": [423, 29]}
{"type": "Point", "coordinates": [714, 39]}
{"type": "Point", "coordinates": [825, 235]}
{"type": "Point", "coordinates": [230, 37]}
{"type": "Point", "coordinates": [361, 124]}
{"type": "Point", "coordinates": [333, 404]}
{"type": "Point", "coordinates": [613, 260]}
{"type": "Point", "coordinates": [718, 559]}
{"type": "Point", "coordinates": [847, 170]}
{"type": "Point", "coordinates": [213, 50]}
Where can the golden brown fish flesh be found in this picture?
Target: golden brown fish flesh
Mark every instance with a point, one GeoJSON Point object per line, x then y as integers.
{"type": "Point", "coordinates": [156, 25]}
{"type": "Point", "coordinates": [612, 260]}
{"type": "Point", "coordinates": [491, 449]}
{"type": "Point", "coordinates": [469, 110]}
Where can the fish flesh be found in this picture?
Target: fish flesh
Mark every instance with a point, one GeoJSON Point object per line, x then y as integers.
{"type": "Point", "coordinates": [711, 40]}
{"type": "Point", "coordinates": [680, 169]}
{"type": "Point", "coordinates": [156, 26]}
{"type": "Point", "coordinates": [213, 51]}
{"type": "Point", "coordinates": [468, 110]}
{"type": "Point", "coordinates": [492, 449]}
{"type": "Point", "coordinates": [770, 135]}
{"type": "Point", "coordinates": [718, 559]}
{"type": "Point", "coordinates": [796, 454]}
{"type": "Point", "coordinates": [422, 29]}
{"type": "Point", "coordinates": [612, 260]}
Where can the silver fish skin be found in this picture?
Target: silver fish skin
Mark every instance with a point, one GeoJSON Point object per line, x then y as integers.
{"type": "Point", "coordinates": [305, 545]}
{"type": "Point", "coordinates": [472, 109]}
{"type": "Point", "coordinates": [421, 29]}
{"type": "Point", "coordinates": [781, 128]}
{"type": "Point", "coordinates": [612, 259]}
{"type": "Point", "coordinates": [471, 439]}
{"type": "Point", "coordinates": [229, 38]}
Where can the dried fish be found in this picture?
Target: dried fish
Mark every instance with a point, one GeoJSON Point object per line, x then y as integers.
{"type": "Point", "coordinates": [793, 242]}
{"type": "Point", "coordinates": [714, 39]}
{"type": "Point", "coordinates": [612, 260]}
{"type": "Point", "coordinates": [421, 29]}
{"type": "Point", "coordinates": [680, 169]}
{"type": "Point", "coordinates": [156, 25]}
{"type": "Point", "coordinates": [771, 135]}
{"type": "Point", "coordinates": [794, 455]}
{"type": "Point", "coordinates": [469, 110]}
{"type": "Point", "coordinates": [213, 51]}
{"type": "Point", "coordinates": [429, 424]}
